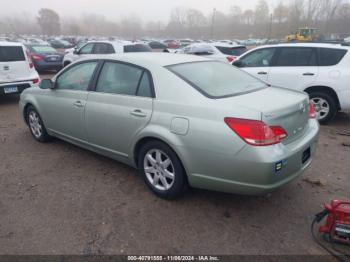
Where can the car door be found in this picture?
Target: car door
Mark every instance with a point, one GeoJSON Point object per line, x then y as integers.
{"type": "Point", "coordinates": [294, 68]}
{"type": "Point", "coordinates": [258, 62]}
{"type": "Point", "coordinates": [63, 107]}
{"type": "Point", "coordinates": [119, 108]}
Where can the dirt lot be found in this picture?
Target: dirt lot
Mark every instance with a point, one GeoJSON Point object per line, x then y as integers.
{"type": "Point", "coordinates": [59, 199]}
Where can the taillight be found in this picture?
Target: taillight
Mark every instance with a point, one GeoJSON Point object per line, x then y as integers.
{"type": "Point", "coordinates": [256, 133]}
{"type": "Point", "coordinates": [37, 57]}
{"type": "Point", "coordinates": [36, 80]}
{"type": "Point", "coordinates": [230, 59]}
{"type": "Point", "coordinates": [312, 112]}
{"type": "Point", "coordinates": [30, 61]}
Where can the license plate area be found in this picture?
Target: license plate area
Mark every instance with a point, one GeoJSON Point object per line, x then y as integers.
{"type": "Point", "coordinates": [306, 155]}
{"type": "Point", "coordinates": [11, 89]}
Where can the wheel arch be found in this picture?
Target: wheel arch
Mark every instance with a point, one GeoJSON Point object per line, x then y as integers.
{"type": "Point", "coordinates": [145, 139]}
{"type": "Point", "coordinates": [326, 89]}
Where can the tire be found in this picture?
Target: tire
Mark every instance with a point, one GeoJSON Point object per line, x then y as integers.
{"type": "Point", "coordinates": [36, 125]}
{"type": "Point", "coordinates": [325, 102]}
{"type": "Point", "coordinates": [66, 64]}
{"type": "Point", "coordinates": [166, 179]}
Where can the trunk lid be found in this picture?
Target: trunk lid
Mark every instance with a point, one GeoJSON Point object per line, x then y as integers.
{"type": "Point", "coordinates": [288, 109]}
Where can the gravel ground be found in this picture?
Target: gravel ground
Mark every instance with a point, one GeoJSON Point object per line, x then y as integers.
{"type": "Point", "coordinates": [56, 198]}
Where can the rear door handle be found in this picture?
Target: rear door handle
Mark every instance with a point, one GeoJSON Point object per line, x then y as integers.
{"type": "Point", "coordinates": [308, 74]}
{"type": "Point", "coordinates": [262, 73]}
{"type": "Point", "coordinates": [78, 104]}
{"type": "Point", "coordinates": [138, 113]}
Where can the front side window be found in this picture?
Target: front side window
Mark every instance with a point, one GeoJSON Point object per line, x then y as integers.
{"type": "Point", "coordinates": [87, 49]}
{"type": "Point", "coordinates": [216, 79]}
{"type": "Point", "coordinates": [258, 58]}
{"type": "Point", "coordinates": [330, 56]}
{"type": "Point", "coordinates": [118, 78]}
{"type": "Point", "coordinates": [297, 56]}
{"type": "Point", "coordinates": [77, 77]}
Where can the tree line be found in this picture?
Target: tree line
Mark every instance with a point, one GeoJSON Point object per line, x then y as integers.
{"type": "Point", "coordinates": [332, 17]}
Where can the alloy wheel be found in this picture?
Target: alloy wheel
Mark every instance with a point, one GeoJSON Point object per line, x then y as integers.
{"type": "Point", "coordinates": [159, 169]}
{"type": "Point", "coordinates": [322, 107]}
{"type": "Point", "coordinates": [34, 123]}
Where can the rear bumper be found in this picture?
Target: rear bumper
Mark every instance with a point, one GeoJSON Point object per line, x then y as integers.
{"type": "Point", "coordinates": [253, 171]}
{"type": "Point", "coordinates": [43, 65]}
{"type": "Point", "coordinates": [19, 85]}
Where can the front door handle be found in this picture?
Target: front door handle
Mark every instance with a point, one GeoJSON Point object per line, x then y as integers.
{"type": "Point", "coordinates": [138, 113]}
{"type": "Point", "coordinates": [78, 104]}
{"type": "Point", "coordinates": [262, 73]}
{"type": "Point", "coordinates": [308, 74]}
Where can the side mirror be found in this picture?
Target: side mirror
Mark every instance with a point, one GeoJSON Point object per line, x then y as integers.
{"type": "Point", "coordinates": [237, 63]}
{"type": "Point", "coordinates": [46, 84]}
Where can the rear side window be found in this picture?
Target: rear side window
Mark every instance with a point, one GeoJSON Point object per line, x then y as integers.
{"type": "Point", "coordinates": [102, 48]}
{"type": "Point", "coordinates": [296, 56]}
{"type": "Point", "coordinates": [11, 54]}
{"type": "Point", "coordinates": [216, 79]}
{"type": "Point", "coordinates": [330, 57]}
{"type": "Point", "coordinates": [117, 78]}
{"type": "Point", "coordinates": [144, 88]}
{"type": "Point", "coordinates": [137, 48]}
{"type": "Point", "coordinates": [234, 51]}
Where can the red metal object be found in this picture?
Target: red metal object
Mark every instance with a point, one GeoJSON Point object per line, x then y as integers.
{"type": "Point", "coordinates": [338, 221]}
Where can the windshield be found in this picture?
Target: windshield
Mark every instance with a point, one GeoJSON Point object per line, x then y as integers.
{"type": "Point", "coordinates": [44, 49]}
{"type": "Point", "coordinates": [234, 51]}
{"type": "Point", "coordinates": [216, 79]}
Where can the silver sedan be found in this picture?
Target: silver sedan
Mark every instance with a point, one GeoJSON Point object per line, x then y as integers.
{"type": "Point", "coordinates": [181, 120]}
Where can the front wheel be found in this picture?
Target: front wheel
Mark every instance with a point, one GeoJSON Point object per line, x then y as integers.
{"type": "Point", "coordinates": [325, 106]}
{"type": "Point", "coordinates": [36, 125]}
{"type": "Point", "coordinates": [162, 170]}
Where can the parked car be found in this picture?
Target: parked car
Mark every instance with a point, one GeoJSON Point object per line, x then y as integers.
{"type": "Point", "coordinates": [60, 44]}
{"type": "Point", "coordinates": [180, 120]}
{"type": "Point", "coordinates": [157, 45]}
{"type": "Point", "coordinates": [17, 71]}
{"type": "Point", "coordinates": [321, 70]}
{"type": "Point", "coordinates": [104, 47]}
{"type": "Point", "coordinates": [45, 57]}
{"type": "Point", "coordinates": [217, 51]}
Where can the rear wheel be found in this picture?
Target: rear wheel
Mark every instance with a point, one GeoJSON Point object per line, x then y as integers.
{"type": "Point", "coordinates": [325, 106]}
{"type": "Point", "coordinates": [162, 170]}
{"type": "Point", "coordinates": [36, 125]}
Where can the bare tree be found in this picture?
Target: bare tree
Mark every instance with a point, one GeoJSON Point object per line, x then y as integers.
{"type": "Point", "coordinates": [49, 21]}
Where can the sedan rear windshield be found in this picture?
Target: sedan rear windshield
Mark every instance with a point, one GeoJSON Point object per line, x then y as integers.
{"type": "Point", "coordinates": [11, 54]}
{"type": "Point", "coordinates": [43, 49]}
{"type": "Point", "coordinates": [137, 48]}
{"type": "Point", "coordinates": [216, 79]}
{"type": "Point", "coordinates": [234, 51]}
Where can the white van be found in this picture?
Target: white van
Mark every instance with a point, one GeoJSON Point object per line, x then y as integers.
{"type": "Point", "coordinates": [17, 71]}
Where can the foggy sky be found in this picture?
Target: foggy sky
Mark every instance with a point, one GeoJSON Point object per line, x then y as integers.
{"type": "Point", "coordinates": [115, 9]}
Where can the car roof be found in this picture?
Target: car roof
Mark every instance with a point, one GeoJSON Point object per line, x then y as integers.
{"type": "Point", "coordinates": [152, 58]}
{"type": "Point", "coordinates": [116, 42]}
{"type": "Point", "coordinates": [320, 45]}
{"type": "Point", "coordinates": [5, 43]}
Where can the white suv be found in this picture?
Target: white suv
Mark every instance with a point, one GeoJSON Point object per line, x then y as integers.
{"type": "Point", "coordinates": [321, 70]}
{"type": "Point", "coordinates": [17, 71]}
{"type": "Point", "coordinates": [217, 51]}
{"type": "Point", "coordinates": [103, 47]}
